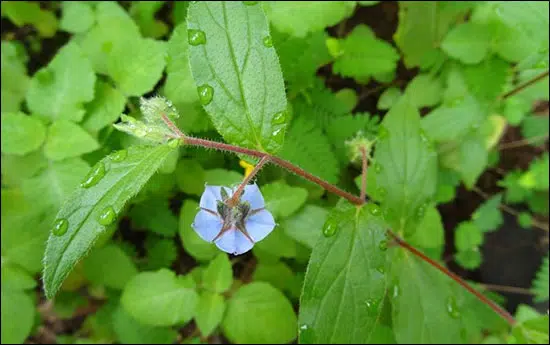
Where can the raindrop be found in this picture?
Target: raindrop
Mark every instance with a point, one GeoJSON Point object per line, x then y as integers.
{"type": "Point", "coordinates": [94, 176]}
{"type": "Point", "coordinates": [383, 245]}
{"type": "Point", "coordinates": [196, 37]}
{"type": "Point", "coordinates": [206, 93]}
{"type": "Point", "coordinates": [107, 216]}
{"type": "Point", "coordinates": [306, 334]}
{"type": "Point", "coordinates": [267, 42]}
{"type": "Point", "coordinates": [395, 292]}
{"type": "Point", "coordinates": [60, 227]}
{"type": "Point", "coordinates": [279, 118]}
{"type": "Point", "coordinates": [452, 308]}
{"type": "Point", "coordinates": [383, 133]}
{"type": "Point", "coordinates": [119, 156]}
{"type": "Point", "coordinates": [421, 211]}
{"type": "Point", "coordinates": [372, 306]}
{"type": "Point", "coordinates": [374, 209]}
{"type": "Point", "coordinates": [381, 269]}
{"type": "Point", "coordinates": [330, 227]}
{"type": "Point", "coordinates": [424, 137]}
{"type": "Point", "coordinates": [278, 134]}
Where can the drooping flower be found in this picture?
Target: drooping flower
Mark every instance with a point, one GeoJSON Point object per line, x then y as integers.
{"type": "Point", "coordinates": [233, 226]}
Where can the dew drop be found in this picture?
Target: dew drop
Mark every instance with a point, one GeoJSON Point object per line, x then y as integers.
{"type": "Point", "coordinates": [206, 93]}
{"type": "Point", "coordinates": [119, 156]}
{"type": "Point", "coordinates": [60, 227]}
{"type": "Point", "coordinates": [424, 137]}
{"type": "Point", "coordinates": [107, 216]}
{"type": "Point", "coordinates": [381, 269]}
{"type": "Point", "coordinates": [196, 37]}
{"type": "Point", "coordinates": [174, 143]}
{"type": "Point", "coordinates": [267, 42]}
{"type": "Point", "coordinates": [374, 209]}
{"type": "Point", "coordinates": [421, 211]}
{"type": "Point", "coordinates": [452, 308]}
{"type": "Point", "coordinates": [395, 291]}
{"type": "Point", "coordinates": [378, 168]}
{"type": "Point", "coordinates": [372, 306]}
{"type": "Point", "coordinates": [383, 133]}
{"type": "Point", "coordinates": [383, 245]}
{"type": "Point", "coordinates": [306, 334]}
{"type": "Point", "coordinates": [278, 134]}
{"type": "Point", "coordinates": [250, 3]}
{"type": "Point", "coordinates": [330, 228]}
{"type": "Point", "coordinates": [94, 176]}
{"type": "Point", "coordinates": [279, 118]}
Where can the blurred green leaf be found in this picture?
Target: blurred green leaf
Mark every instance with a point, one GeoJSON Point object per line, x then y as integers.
{"type": "Point", "coordinates": [77, 16]}
{"type": "Point", "coordinates": [488, 216]}
{"type": "Point", "coordinates": [17, 316]}
{"type": "Point", "coordinates": [26, 12]}
{"type": "Point", "coordinates": [210, 312]}
{"type": "Point", "coordinates": [130, 331]}
{"type": "Point", "coordinates": [14, 77]}
{"type": "Point", "coordinates": [306, 225]}
{"type": "Point", "coordinates": [67, 139]}
{"type": "Point", "coordinates": [218, 275]}
{"type": "Point", "coordinates": [283, 200]}
{"type": "Point", "coordinates": [109, 266]}
{"type": "Point", "coordinates": [21, 133]}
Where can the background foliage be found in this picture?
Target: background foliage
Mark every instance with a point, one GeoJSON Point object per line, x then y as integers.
{"type": "Point", "coordinates": [461, 155]}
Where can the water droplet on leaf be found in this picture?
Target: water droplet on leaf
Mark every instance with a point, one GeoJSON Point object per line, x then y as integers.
{"type": "Point", "coordinates": [330, 227]}
{"type": "Point", "coordinates": [452, 308]}
{"type": "Point", "coordinates": [383, 245]}
{"type": "Point", "coordinates": [395, 292]}
{"type": "Point", "coordinates": [420, 211]}
{"type": "Point", "coordinates": [94, 176]}
{"type": "Point", "coordinates": [383, 132]}
{"type": "Point", "coordinates": [119, 156]}
{"type": "Point", "coordinates": [374, 209]}
{"type": "Point", "coordinates": [196, 37]}
{"type": "Point", "coordinates": [267, 42]}
{"type": "Point", "coordinates": [60, 227]}
{"type": "Point", "coordinates": [424, 137]}
{"type": "Point", "coordinates": [279, 118]}
{"type": "Point", "coordinates": [381, 269]}
{"type": "Point", "coordinates": [372, 306]}
{"type": "Point", "coordinates": [278, 135]}
{"type": "Point", "coordinates": [174, 143]}
{"type": "Point", "coordinates": [206, 93]}
{"type": "Point", "coordinates": [306, 334]}
{"type": "Point", "coordinates": [107, 216]}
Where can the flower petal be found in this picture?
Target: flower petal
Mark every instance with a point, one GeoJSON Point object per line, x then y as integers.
{"type": "Point", "coordinates": [234, 242]}
{"type": "Point", "coordinates": [210, 197]}
{"type": "Point", "coordinates": [253, 195]}
{"type": "Point", "coordinates": [207, 225]}
{"type": "Point", "coordinates": [260, 225]}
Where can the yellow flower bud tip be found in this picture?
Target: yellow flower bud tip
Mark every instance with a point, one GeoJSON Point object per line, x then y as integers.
{"type": "Point", "coordinates": [247, 167]}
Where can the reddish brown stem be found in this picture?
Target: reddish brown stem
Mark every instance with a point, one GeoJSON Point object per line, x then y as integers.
{"type": "Point", "coordinates": [276, 160]}
{"type": "Point", "coordinates": [496, 308]}
{"type": "Point", "coordinates": [247, 179]}
{"type": "Point", "coordinates": [524, 85]}
{"type": "Point", "coordinates": [363, 173]}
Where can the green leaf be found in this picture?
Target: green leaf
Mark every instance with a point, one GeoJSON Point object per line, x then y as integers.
{"type": "Point", "coordinates": [533, 331]}
{"type": "Point", "coordinates": [218, 275]}
{"type": "Point", "coordinates": [155, 214]}
{"type": "Point", "coordinates": [536, 177]}
{"type": "Point", "coordinates": [535, 129]}
{"type": "Point", "coordinates": [143, 13]}
{"type": "Point", "coordinates": [14, 77]}
{"type": "Point", "coordinates": [431, 234]}
{"type": "Point", "coordinates": [137, 65]}
{"type": "Point", "coordinates": [76, 17]}
{"type": "Point", "coordinates": [21, 133]}
{"type": "Point", "coordinates": [422, 26]}
{"type": "Point", "coordinates": [470, 259]}
{"type": "Point", "coordinates": [488, 216]}
{"type": "Point", "coordinates": [161, 252]}
{"type": "Point", "coordinates": [515, 109]}
{"type": "Point", "coordinates": [190, 176]}
{"type": "Point", "coordinates": [467, 42]}
{"type": "Point", "coordinates": [237, 73]}
{"type": "Point", "coordinates": [486, 80]}
{"type": "Point", "coordinates": [259, 314]}
{"type": "Point", "coordinates": [222, 177]}
{"type": "Point", "coordinates": [129, 331]}
{"type": "Point", "coordinates": [67, 139]}
{"type": "Point", "coordinates": [192, 243]}
{"type": "Point", "coordinates": [59, 90]}
{"type": "Point", "coordinates": [15, 277]}
{"type": "Point", "coordinates": [424, 90]}
{"type": "Point", "coordinates": [424, 308]}
{"type": "Point", "coordinates": [514, 192]}
{"type": "Point", "coordinates": [111, 184]}
{"type": "Point", "coordinates": [344, 289]}
{"type": "Point", "coordinates": [109, 266]}
{"type": "Point", "coordinates": [406, 166]}
{"type": "Point", "coordinates": [300, 58]}
{"type": "Point", "coordinates": [18, 313]}
{"type": "Point", "coordinates": [278, 244]}
{"type": "Point", "coordinates": [210, 310]}
{"type": "Point", "coordinates": [540, 283]}
{"type": "Point", "coordinates": [473, 159]}
{"type": "Point", "coordinates": [364, 55]}
{"type": "Point", "coordinates": [306, 225]}
{"type": "Point", "coordinates": [105, 109]}
{"type": "Point", "coordinates": [283, 200]}
{"type": "Point", "coordinates": [160, 298]}
{"type": "Point", "coordinates": [525, 220]}
{"type": "Point", "coordinates": [26, 12]}
{"type": "Point", "coordinates": [468, 236]}
{"type": "Point", "coordinates": [388, 98]}
{"type": "Point", "coordinates": [278, 274]}
{"type": "Point", "coordinates": [300, 18]}
{"type": "Point", "coordinates": [307, 147]}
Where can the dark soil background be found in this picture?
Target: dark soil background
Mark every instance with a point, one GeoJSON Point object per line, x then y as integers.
{"type": "Point", "coordinates": [511, 255]}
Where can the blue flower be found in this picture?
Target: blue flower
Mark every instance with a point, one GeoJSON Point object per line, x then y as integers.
{"type": "Point", "coordinates": [233, 228]}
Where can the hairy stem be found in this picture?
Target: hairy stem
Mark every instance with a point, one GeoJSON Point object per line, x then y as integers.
{"type": "Point", "coordinates": [363, 173]}
{"type": "Point", "coordinates": [247, 179]}
{"type": "Point", "coordinates": [275, 160]}
{"type": "Point", "coordinates": [496, 308]}
{"type": "Point", "coordinates": [524, 85]}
